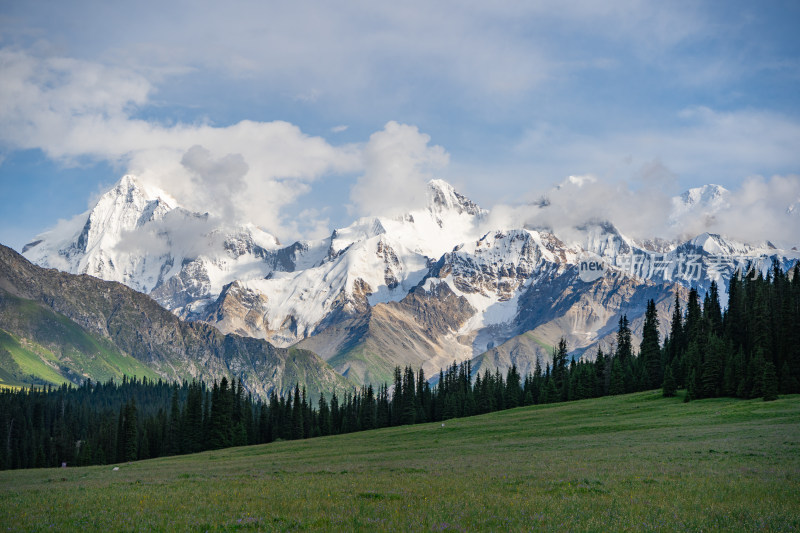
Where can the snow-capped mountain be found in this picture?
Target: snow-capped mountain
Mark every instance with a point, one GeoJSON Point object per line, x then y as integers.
{"type": "Point", "coordinates": [422, 289]}
{"type": "Point", "coordinates": [706, 200]}
{"type": "Point", "coordinates": [375, 260]}
{"type": "Point", "coordinates": [139, 236]}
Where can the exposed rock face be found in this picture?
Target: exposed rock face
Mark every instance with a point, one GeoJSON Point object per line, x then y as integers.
{"type": "Point", "coordinates": [434, 285]}
{"type": "Point", "coordinates": [138, 327]}
{"type": "Point", "coordinates": [419, 331]}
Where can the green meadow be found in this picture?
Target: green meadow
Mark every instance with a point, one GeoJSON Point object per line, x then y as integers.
{"type": "Point", "coordinates": [638, 462]}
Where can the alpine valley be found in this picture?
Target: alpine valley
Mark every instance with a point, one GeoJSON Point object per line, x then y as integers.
{"type": "Point", "coordinates": [436, 285]}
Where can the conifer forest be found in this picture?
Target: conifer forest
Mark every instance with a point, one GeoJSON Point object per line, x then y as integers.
{"type": "Point", "coordinates": [750, 349]}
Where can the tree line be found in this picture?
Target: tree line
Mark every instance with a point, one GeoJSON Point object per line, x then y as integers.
{"type": "Point", "coordinates": [750, 350]}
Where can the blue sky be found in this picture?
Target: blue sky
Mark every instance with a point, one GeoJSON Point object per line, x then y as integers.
{"type": "Point", "coordinates": [308, 114]}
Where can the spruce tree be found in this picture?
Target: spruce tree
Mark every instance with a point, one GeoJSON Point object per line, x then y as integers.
{"type": "Point", "coordinates": [513, 389]}
{"type": "Point", "coordinates": [756, 371]}
{"type": "Point", "coordinates": [713, 367]}
{"type": "Point", "coordinates": [712, 311]}
{"type": "Point", "coordinates": [408, 408]}
{"type": "Point", "coordinates": [297, 415]}
{"type": "Point", "coordinates": [624, 344]}
{"type": "Point", "coordinates": [220, 430]}
{"type": "Point", "coordinates": [770, 382]}
{"type": "Point", "coordinates": [649, 349]}
{"type": "Point", "coordinates": [617, 385]}
{"type": "Point", "coordinates": [691, 389]}
{"type": "Point", "coordinates": [130, 429]}
{"type": "Point", "coordinates": [787, 382]}
{"type": "Point", "coordinates": [676, 337]}
{"type": "Point", "coordinates": [173, 430]}
{"type": "Point", "coordinates": [669, 387]}
{"type": "Point", "coordinates": [324, 416]}
{"type": "Point", "coordinates": [559, 371]}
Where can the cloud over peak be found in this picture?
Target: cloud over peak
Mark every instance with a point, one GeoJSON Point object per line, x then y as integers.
{"type": "Point", "coordinates": [398, 163]}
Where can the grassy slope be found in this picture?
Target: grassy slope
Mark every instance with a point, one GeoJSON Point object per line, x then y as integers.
{"type": "Point", "coordinates": [24, 363]}
{"type": "Point", "coordinates": [635, 463]}
{"type": "Point", "coordinates": [40, 332]}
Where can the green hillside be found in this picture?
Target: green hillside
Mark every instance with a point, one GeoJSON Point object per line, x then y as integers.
{"type": "Point", "coordinates": [25, 363]}
{"type": "Point", "coordinates": [101, 329]}
{"type": "Point", "coordinates": [626, 463]}
{"type": "Point", "coordinates": [39, 346]}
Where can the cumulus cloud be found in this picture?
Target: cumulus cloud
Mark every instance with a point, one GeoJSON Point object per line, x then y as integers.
{"type": "Point", "coordinates": [760, 210]}
{"type": "Point", "coordinates": [216, 181]}
{"type": "Point", "coordinates": [698, 144]}
{"type": "Point", "coordinates": [398, 163]}
{"type": "Point", "coordinates": [503, 47]}
{"type": "Point", "coordinates": [582, 200]}
{"type": "Point", "coordinates": [178, 233]}
{"type": "Point", "coordinates": [249, 171]}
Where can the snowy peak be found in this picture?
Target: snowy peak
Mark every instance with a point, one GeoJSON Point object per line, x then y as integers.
{"type": "Point", "coordinates": [443, 197]}
{"type": "Point", "coordinates": [707, 195]}
{"type": "Point", "coordinates": [126, 207]}
{"type": "Point", "coordinates": [138, 235]}
{"type": "Point", "coordinates": [708, 199]}
{"type": "Point", "coordinates": [84, 243]}
{"type": "Point", "coordinates": [714, 244]}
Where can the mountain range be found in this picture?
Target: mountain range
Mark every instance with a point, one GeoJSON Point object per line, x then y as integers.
{"type": "Point", "coordinates": [435, 285]}
{"type": "Point", "coordinates": [57, 327]}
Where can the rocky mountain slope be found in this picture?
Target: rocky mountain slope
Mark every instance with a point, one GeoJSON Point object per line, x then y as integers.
{"type": "Point", "coordinates": [435, 285]}
{"type": "Point", "coordinates": [117, 323]}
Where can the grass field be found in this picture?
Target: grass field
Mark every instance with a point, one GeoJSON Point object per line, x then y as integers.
{"type": "Point", "coordinates": [629, 463]}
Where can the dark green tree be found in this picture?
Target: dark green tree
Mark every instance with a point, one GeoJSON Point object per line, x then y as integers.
{"type": "Point", "coordinates": [770, 382]}
{"type": "Point", "coordinates": [669, 387]}
{"type": "Point", "coordinates": [650, 349]}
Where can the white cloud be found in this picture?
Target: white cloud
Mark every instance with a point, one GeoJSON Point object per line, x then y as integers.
{"type": "Point", "coordinates": [700, 145]}
{"type": "Point", "coordinates": [760, 210]}
{"type": "Point", "coordinates": [489, 49]}
{"type": "Point", "coordinates": [398, 164]}
{"type": "Point", "coordinates": [580, 200]}
{"type": "Point", "coordinates": [757, 211]}
{"type": "Point", "coordinates": [216, 182]}
{"type": "Point", "coordinates": [249, 171]}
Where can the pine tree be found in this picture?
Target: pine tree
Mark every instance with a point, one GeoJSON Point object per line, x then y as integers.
{"type": "Point", "coordinates": [691, 389]}
{"type": "Point", "coordinates": [713, 367]}
{"type": "Point", "coordinates": [770, 382]}
{"type": "Point", "coordinates": [756, 371]}
{"type": "Point", "coordinates": [624, 344]}
{"type": "Point", "coordinates": [297, 415]}
{"type": "Point", "coordinates": [173, 430]}
{"type": "Point", "coordinates": [669, 387]}
{"type": "Point", "coordinates": [676, 337]}
{"type": "Point", "coordinates": [692, 363]}
{"type": "Point", "coordinates": [559, 371]}
{"type": "Point", "coordinates": [409, 412]}
{"type": "Point", "coordinates": [787, 382]}
{"type": "Point", "coordinates": [192, 420]}
{"type": "Point", "coordinates": [712, 311]}
{"type": "Point", "coordinates": [220, 429]}
{"type": "Point", "coordinates": [324, 416]}
{"type": "Point", "coordinates": [617, 385]}
{"type": "Point", "coordinates": [397, 395]}
{"type": "Point", "coordinates": [549, 393]}
{"type": "Point", "coordinates": [513, 389]}
{"type": "Point", "coordinates": [694, 316]}
{"type": "Point", "coordinates": [130, 429]}
{"type": "Point", "coordinates": [649, 350]}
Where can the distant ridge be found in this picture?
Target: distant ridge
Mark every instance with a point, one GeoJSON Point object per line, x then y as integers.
{"type": "Point", "coordinates": [131, 325]}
